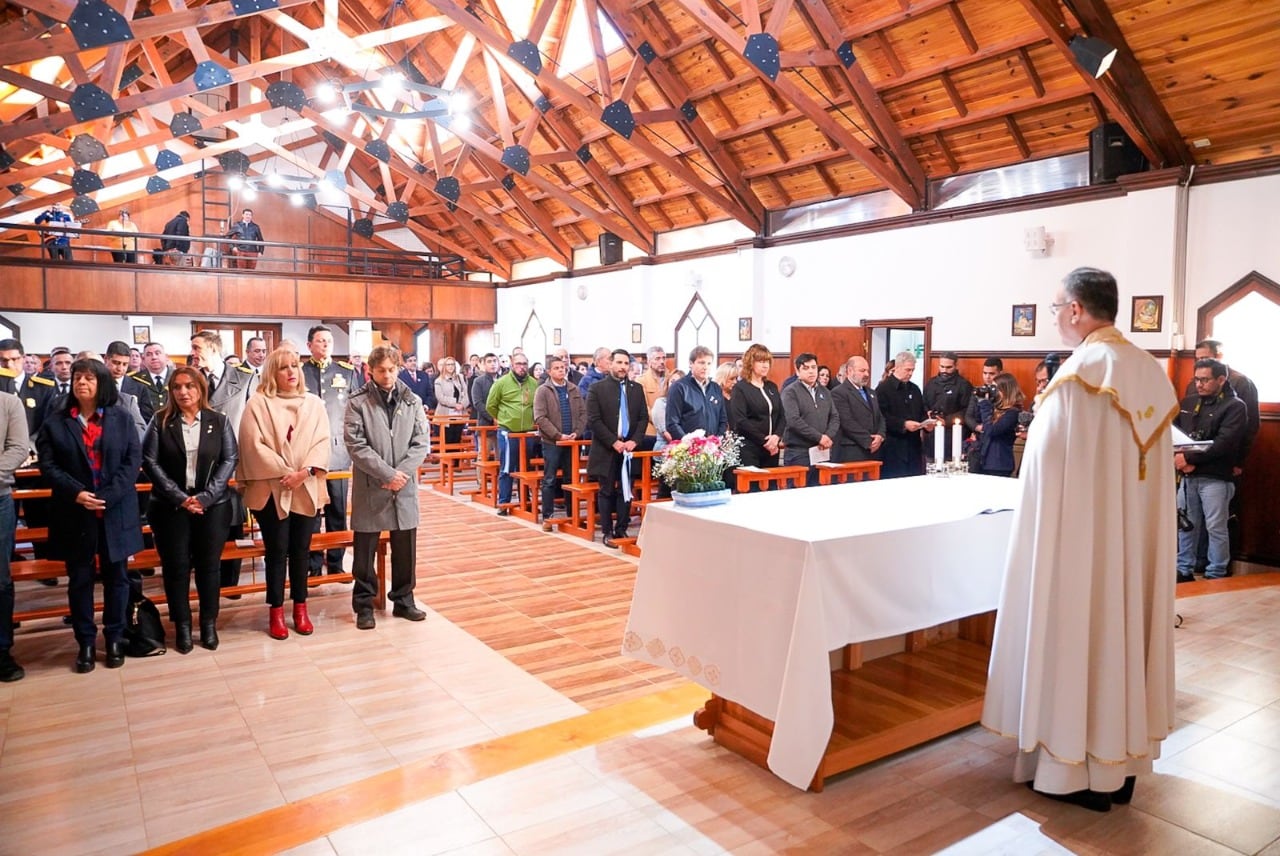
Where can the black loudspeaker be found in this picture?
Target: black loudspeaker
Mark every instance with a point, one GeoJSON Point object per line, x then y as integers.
{"type": "Point", "coordinates": [1112, 154]}
{"type": "Point", "coordinates": [610, 248]}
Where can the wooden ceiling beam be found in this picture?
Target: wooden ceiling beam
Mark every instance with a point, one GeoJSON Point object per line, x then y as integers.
{"type": "Point", "coordinates": [63, 43]}
{"type": "Point", "coordinates": [820, 21]}
{"type": "Point", "coordinates": [604, 79]}
{"type": "Point", "coordinates": [1123, 108]}
{"type": "Point", "coordinates": [962, 27]}
{"type": "Point", "coordinates": [1133, 90]}
{"type": "Point", "coordinates": [1016, 133]}
{"type": "Point", "coordinates": [891, 175]}
{"type": "Point", "coordinates": [570, 95]}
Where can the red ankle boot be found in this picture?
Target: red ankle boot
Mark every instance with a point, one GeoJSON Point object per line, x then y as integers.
{"type": "Point", "coordinates": [302, 621]}
{"type": "Point", "coordinates": [276, 628]}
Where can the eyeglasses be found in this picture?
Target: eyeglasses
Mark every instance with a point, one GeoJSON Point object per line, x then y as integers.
{"type": "Point", "coordinates": [1204, 379]}
{"type": "Point", "coordinates": [1055, 307]}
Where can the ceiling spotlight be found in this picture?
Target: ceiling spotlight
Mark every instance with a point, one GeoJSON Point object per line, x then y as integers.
{"type": "Point", "coordinates": [392, 84]}
{"type": "Point", "coordinates": [461, 122]}
{"type": "Point", "coordinates": [326, 92]}
{"type": "Point", "coordinates": [459, 103]}
{"type": "Point", "coordinates": [249, 193]}
{"type": "Point", "coordinates": [297, 200]}
{"type": "Point", "coordinates": [235, 182]}
{"type": "Point", "coordinates": [274, 180]}
{"type": "Point", "coordinates": [1094, 55]}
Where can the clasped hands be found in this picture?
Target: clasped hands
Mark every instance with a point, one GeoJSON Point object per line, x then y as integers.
{"type": "Point", "coordinates": [622, 446]}
{"type": "Point", "coordinates": [91, 501]}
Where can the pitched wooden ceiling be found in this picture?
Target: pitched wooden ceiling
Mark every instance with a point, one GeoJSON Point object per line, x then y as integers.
{"type": "Point", "coordinates": [709, 110]}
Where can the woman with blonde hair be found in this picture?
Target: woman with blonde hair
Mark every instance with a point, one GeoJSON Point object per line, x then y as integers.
{"type": "Point", "coordinates": [284, 458]}
{"type": "Point", "coordinates": [727, 377]}
{"type": "Point", "coordinates": [451, 398]}
{"type": "Point", "coordinates": [999, 412]}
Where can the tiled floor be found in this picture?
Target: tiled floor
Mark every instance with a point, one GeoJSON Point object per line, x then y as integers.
{"type": "Point", "coordinates": [419, 738]}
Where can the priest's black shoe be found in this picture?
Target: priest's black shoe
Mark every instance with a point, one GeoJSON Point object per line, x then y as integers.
{"type": "Point", "coordinates": [1092, 800]}
{"type": "Point", "coordinates": [1125, 794]}
{"type": "Point", "coordinates": [209, 635]}
{"type": "Point", "coordinates": [84, 659]}
{"type": "Point", "coordinates": [115, 653]}
{"type": "Point", "coordinates": [408, 611]}
{"type": "Point", "coordinates": [182, 638]}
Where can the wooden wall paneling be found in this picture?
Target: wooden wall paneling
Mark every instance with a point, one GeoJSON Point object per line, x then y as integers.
{"type": "Point", "coordinates": [73, 288]}
{"type": "Point", "coordinates": [331, 298]}
{"type": "Point", "coordinates": [833, 345]}
{"type": "Point", "coordinates": [1259, 532]}
{"type": "Point", "coordinates": [258, 295]}
{"type": "Point", "coordinates": [393, 300]}
{"type": "Point", "coordinates": [166, 291]}
{"type": "Point", "coordinates": [23, 287]}
{"type": "Point", "coordinates": [464, 303]}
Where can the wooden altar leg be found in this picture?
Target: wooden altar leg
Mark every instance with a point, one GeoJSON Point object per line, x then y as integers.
{"type": "Point", "coordinates": [708, 715]}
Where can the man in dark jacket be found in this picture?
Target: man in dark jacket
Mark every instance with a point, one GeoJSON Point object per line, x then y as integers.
{"type": "Point", "coordinates": [173, 245]}
{"type": "Point", "coordinates": [861, 423]}
{"type": "Point", "coordinates": [946, 398]}
{"type": "Point", "coordinates": [696, 401]}
{"type": "Point", "coordinates": [617, 418]}
{"type": "Point", "coordinates": [902, 404]}
{"type": "Point", "coordinates": [1214, 413]}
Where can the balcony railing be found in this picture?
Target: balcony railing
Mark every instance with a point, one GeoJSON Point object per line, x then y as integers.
{"type": "Point", "coordinates": [98, 246]}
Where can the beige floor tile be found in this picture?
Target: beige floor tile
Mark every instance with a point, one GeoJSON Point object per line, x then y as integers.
{"type": "Point", "coordinates": [894, 825]}
{"type": "Point", "coordinates": [542, 792]}
{"type": "Point", "coordinates": [1013, 835]}
{"type": "Point", "coordinates": [1248, 765]}
{"type": "Point", "coordinates": [1258, 688]}
{"type": "Point", "coordinates": [1262, 727]}
{"type": "Point", "coordinates": [438, 825]}
{"type": "Point", "coordinates": [612, 827]}
{"type": "Point", "coordinates": [1220, 816]}
{"type": "Point", "coordinates": [1126, 831]}
{"type": "Point", "coordinates": [319, 847]}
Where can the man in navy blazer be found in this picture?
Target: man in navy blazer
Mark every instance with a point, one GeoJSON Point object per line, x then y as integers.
{"type": "Point", "coordinates": [861, 422]}
{"type": "Point", "coordinates": [696, 401]}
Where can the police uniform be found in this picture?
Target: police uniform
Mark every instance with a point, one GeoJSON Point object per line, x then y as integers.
{"type": "Point", "coordinates": [155, 396]}
{"type": "Point", "coordinates": [333, 381]}
{"type": "Point", "coordinates": [36, 392]}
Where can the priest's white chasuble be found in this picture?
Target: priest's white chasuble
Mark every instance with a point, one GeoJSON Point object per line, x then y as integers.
{"type": "Point", "coordinates": [1082, 664]}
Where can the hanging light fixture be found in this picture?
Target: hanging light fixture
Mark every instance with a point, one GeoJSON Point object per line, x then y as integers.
{"type": "Point", "coordinates": [1093, 55]}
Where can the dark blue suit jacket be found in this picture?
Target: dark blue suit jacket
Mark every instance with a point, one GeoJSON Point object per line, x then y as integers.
{"type": "Point", "coordinates": [65, 464]}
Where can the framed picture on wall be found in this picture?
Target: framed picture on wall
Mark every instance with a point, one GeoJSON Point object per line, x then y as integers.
{"type": "Point", "coordinates": [636, 334]}
{"type": "Point", "coordinates": [555, 335]}
{"type": "Point", "coordinates": [744, 329]}
{"type": "Point", "coordinates": [1148, 314]}
{"type": "Point", "coordinates": [141, 334]}
{"type": "Point", "coordinates": [1024, 319]}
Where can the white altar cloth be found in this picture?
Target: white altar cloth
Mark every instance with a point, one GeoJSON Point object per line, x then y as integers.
{"type": "Point", "coordinates": [748, 598]}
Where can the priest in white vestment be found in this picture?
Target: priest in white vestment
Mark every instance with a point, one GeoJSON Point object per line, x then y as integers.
{"type": "Point", "coordinates": [1082, 664]}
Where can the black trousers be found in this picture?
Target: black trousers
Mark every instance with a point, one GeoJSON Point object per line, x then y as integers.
{"type": "Point", "coordinates": [335, 520]}
{"type": "Point", "coordinates": [115, 587]}
{"type": "Point", "coordinates": [404, 562]}
{"type": "Point", "coordinates": [611, 505]}
{"type": "Point", "coordinates": [188, 542]}
{"type": "Point", "coordinates": [230, 573]}
{"type": "Point", "coordinates": [287, 543]}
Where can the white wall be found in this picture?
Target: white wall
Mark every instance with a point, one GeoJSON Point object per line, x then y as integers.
{"type": "Point", "coordinates": [966, 274]}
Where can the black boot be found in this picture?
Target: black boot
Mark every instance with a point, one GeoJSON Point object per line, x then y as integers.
{"type": "Point", "coordinates": [10, 671]}
{"type": "Point", "coordinates": [1092, 800]}
{"type": "Point", "coordinates": [209, 635]}
{"type": "Point", "coordinates": [182, 638]}
{"type": "Point", "coordinates": [115, 653]}
{"type": "Point", "coordinates": [85, 659]}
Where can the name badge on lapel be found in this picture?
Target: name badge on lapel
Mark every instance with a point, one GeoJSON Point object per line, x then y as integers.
{"type": "Point", "coordinates": [339, 382]}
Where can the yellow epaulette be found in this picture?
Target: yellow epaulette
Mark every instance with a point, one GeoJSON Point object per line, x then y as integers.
{"type": "Point", "coordinates": [141, 377]}
{"type": "Point", "coordinates": [8, 373]}
{"type": "Point", "coordinates": [43, 380]}
{"type": "Point", "coordinates": [348, 366]}
{"type": "Point", "coordinates": [243, 369]}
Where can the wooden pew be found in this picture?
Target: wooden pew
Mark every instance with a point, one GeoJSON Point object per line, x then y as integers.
{"type": "Point", "coordinates": [770, 478]}
{"type": "Point", "coordinates": [580, 494]}
{"type": "Point", "coordinates": [833, 473]}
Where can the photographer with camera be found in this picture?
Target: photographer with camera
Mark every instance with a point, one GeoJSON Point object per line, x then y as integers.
{"type": "Point", "coordinates": [991, 367]}
{"type": "Point", "coordinates": [1214, 413]}
{"type": "Point", "coordinates": [999, 408]}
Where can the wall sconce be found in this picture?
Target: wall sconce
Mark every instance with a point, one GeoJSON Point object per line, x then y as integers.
{"type": "Point", "coordinates": [1036, 241]}
{"type": "Point", "coordinates": [694, 279]}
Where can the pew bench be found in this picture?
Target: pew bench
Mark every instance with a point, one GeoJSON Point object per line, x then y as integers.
{"type": "Point", "coordinates": [770, 478]}
{"type": "Point", "coordinates": [839, 473]}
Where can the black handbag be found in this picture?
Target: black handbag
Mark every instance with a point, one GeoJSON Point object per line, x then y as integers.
{"type": "Point", "coordinates": [143, 629]}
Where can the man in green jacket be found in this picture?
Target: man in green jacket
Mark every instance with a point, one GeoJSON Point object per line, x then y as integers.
{"type": "Point", "coordinates": [510, 401]}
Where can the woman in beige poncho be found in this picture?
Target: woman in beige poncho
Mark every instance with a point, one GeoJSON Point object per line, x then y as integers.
{"type": "Point", "coordinates": [284, 455]}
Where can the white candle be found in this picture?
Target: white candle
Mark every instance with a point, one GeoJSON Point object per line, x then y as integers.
{"type": "Point", "coordinates": [956, 441]}
{"type": "Point", "coordinates": [939, 450]}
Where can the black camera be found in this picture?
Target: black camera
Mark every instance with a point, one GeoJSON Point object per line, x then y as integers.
{"type": "Point", "coordinates": [1184, 521]}
{"type": "Point", "coordinates": [985, 391]}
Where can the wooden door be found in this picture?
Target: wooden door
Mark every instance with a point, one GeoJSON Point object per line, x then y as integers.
{"type": "Point", "coordinates": [833, 345]}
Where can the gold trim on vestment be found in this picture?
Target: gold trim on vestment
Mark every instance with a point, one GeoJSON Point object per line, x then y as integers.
{"type": "Point", "coordinates": [1111, 334]}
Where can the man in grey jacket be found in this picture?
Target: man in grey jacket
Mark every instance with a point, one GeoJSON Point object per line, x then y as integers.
{"type": "Point", "coordinates": [14, 445]}
{"type": "Point", "coordinates": [385, 429]}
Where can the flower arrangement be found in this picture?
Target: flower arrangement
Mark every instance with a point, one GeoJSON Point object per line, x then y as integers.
{"type": "Point", "coordinates": [697, 463]}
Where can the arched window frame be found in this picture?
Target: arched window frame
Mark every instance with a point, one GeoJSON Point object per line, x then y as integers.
{"type": "Point", "coordinates": [1251, 283]}
{"type": "Point", "coordinates": [682, 350]}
